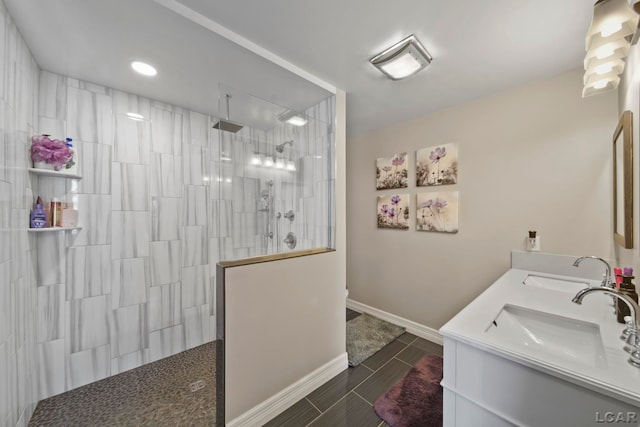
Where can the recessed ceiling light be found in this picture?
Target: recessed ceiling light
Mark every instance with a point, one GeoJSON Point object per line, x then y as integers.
{"type": "Point", "coordinates": [135, 116]}
{"type": "Point", "coordinates": [144, 68]}
{"type": "Point", "coordinates": [403, 59]}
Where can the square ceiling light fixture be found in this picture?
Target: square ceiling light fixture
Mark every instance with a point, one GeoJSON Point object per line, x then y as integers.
{"type": "Point", "coordinates": [607, 44]}
{"type": "Point", "coordinates": [403, 59]}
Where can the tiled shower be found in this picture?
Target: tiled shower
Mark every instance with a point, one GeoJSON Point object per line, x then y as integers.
{"type": "Point", "coordinates": [160, 202]}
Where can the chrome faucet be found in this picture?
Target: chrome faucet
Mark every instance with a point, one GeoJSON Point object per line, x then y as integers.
{"type": "Point", "coordinates": [607, 281]}
{"type": "Point", "coordinates": [631, 335]}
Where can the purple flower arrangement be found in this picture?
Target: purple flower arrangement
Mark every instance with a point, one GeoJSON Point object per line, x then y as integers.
{"type": "Point", "coordinates": [54, 152]}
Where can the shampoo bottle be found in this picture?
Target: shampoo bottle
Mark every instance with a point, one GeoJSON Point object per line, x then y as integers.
{"type": "Point", "coordinates": [38, 217]}
{"type": "Point", "coordinates": [56, 212]}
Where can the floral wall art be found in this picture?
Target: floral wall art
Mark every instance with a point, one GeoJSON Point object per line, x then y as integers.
{"type": "Point", "coordinates": [437, 165]}
{"type": "Point", "coordinates": [391, 172]}
{"type": "Point", "coordinates": [437, 212]}
{"type": "Point", "coordinates": [393, 211]}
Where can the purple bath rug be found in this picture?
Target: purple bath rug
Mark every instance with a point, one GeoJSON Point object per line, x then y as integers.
{"type": "Point", "coordinates": [416, 400]}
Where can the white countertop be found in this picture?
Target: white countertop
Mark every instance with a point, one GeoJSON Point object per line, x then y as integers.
{"type": "Point", "coordinates": [613, 376]}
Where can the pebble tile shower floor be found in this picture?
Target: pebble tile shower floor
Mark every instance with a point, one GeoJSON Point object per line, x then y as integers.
{"type": "Point", "coordinates": [180, 391]}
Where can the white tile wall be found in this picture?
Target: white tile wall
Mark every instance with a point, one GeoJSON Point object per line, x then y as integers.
{"type": "Point", "coordinates": [21, 303]}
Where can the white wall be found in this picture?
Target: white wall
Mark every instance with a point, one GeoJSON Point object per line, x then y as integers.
{"type": "Point", "coordinates": [629, 99]}
{"type": "Point", "coordinates": [537, 157]}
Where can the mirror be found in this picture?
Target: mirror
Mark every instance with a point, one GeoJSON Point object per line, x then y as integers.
{"type": "Point", "coordinates": [623, 181]}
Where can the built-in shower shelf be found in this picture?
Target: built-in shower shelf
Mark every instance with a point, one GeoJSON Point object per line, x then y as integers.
{"type": "Point", "coordinates": [47, 229]}
{"type": "Point", "coordinates": [59, 174]}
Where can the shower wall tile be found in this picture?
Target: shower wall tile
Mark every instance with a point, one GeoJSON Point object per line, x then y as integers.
{"type": "Point", "coordinates": [6, 318]}
{"type": "Point", "coordinates": [22, 303]}
{"type": "Point", "coordinates": [166, 342]}
{"type": "Point", "coordinates": [196, 325]}
{"type": "Point", "coordinates": [165, 218]}
{"type": "Point", "coordinates": [51, 312]}
{"type": "Point", "coordinates": [196, 166]}
{"type": "Point", "coordinates": [195, 128]}
{"type": "Point", "coordinates": [95, 167]}
{"type": "Point", "coordinates": [132, 140]}
{"type": "Point", "coordinates": [88, 271]}
{"type": "Point", "coordinates": [18, 222]}
{"type": "Point", "coordinates": [94, 215]}
{"type": "Point", "coordinates": [251, 192]}
{"type": "Point", "coordinates": [6, 387]}
{"type": "Point", "coordinates": [166, 175]}
{"type": "Point", "coordinates": [195, 285]}
{"type": "Point", "coordinates": [129, 361]}
{"type": "Point", "coordinates": [195, 206]}
{"type": "Point", "coordinates": [124, 103]}
{"type": "Point", "coordinates": [130, 187]}
{"type": "Point", "coordinates": [166, 131]}
{"type": "Point", "coordinates": [130, 235]}
{"type": "Point", "coordinates": [53, 96]}
{"type": "Point", "coordinates": [51, 362]}
{"type": "Point", "coordinates": [88, 323]}
{"type": "Point", "coordinates": [51, 127]}
{"type": "Point", "coordinates": [5, 217]}
{"type": "Point", "coordinates": [130, 281]}
{"type": "Point", "coordinates": [165, 306]}
{"type": "Point", "coordinates": [165, 262]}
{"type": "Point", "coordinates": [195, 246]}
{"type": "Point", "coordinates": [214, 253]}
{"type": "Point", "coordinates": [223, 210]}
{"type": "Point", "coordinates": [87, 366]}
{"type": "Point", "coordinates": [89, 116]}
{"type": "Point", "coordinates": [238, 196]}
{"type": "Point", "coordinates": [51, 259]}
{"type": "Point", "coordinates": [4, 162]}
{"type": "Point", "coordinates": [129, 330]}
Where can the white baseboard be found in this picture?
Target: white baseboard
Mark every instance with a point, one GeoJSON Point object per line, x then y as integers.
{"type": "Point", "coordinates": [412, 327]}
{"type": "Point", "coordinates": [279, 402]}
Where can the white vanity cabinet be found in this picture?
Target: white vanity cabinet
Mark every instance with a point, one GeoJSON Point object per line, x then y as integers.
{"type": "Point", "coordinates": [522, 353]}
{"type": "Point", "coordinates": [487, 389]}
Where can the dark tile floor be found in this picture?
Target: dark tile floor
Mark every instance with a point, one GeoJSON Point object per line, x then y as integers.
{"type": "Point", "coordinates": [347, 399]}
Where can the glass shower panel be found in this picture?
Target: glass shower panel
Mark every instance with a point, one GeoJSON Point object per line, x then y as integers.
{"type": "Point", "coordinates": [275, 171]}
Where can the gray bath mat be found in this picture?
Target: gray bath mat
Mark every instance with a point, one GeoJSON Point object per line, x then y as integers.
{"type": "Point", "coordinates": [366, 335]}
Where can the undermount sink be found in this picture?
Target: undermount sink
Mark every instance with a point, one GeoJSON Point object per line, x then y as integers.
{"type": "Point", "coordinates": [533, 331]}
{"type": "Point", "coordinates": [549, 283]}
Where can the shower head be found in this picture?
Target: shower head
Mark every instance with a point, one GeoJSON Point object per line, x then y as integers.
{"type": "Point", "coordinates": [280, 147]}
{"type": "Point", "coordinates": [227, 125]}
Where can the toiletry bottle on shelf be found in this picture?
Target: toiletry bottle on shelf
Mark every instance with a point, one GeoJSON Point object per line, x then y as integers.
{"type": "Point", "coordinates": [38, 217]}
{"type": "Point", "coordinates": [628, 288]}
{"type": "Point", "coordinates": [56, 212]}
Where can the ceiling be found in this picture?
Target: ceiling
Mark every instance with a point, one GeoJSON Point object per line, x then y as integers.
{"type": "Point", "coordinates": [479, 48]}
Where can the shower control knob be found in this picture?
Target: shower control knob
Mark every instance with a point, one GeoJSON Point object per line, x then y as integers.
{"type": "Point", "coordinates": [290, 215]}
{"type": "Point", "coordinates": [290, 240]}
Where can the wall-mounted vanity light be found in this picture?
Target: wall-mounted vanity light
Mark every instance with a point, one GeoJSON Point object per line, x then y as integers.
{"type": "Point", "coordinates": [607, 44]}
